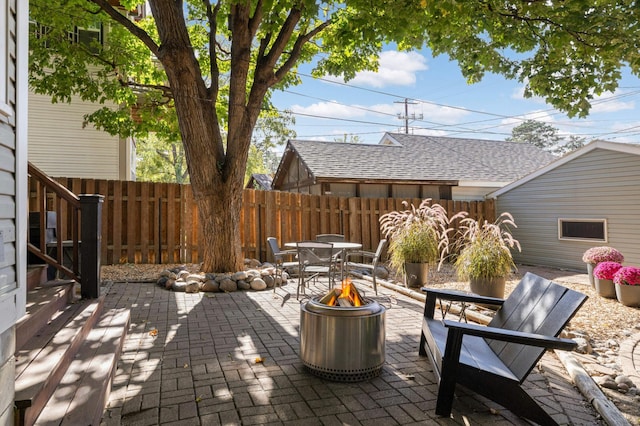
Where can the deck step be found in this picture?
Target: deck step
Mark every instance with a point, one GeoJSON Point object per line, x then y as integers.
{"type": "Point", "coordinates": [42, 304]}
{"type": "Point", "coordinates": [36, 275]}
{"type": "Point", "coordinates": [43, 359]}
{"type": "Point", "coordinates": [83, 392]}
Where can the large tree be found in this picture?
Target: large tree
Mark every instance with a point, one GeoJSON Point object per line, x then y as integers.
{"type": "Point", "coordinates": [536, 133]}
{"type": "Point", "coordinates": [546, 137]}
{"type": "Point", "coordinates": [219, 60]}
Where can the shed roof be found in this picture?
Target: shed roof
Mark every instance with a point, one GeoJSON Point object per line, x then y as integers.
{"type": "Point", "coordinates": [260, 181]}
{"type": "Point", "coordinates": [627, 148]}
{"type": "Point", "coordinates": [418, 158]}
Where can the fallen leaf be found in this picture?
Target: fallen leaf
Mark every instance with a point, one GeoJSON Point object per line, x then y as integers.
{"type": "Point", "coordinates": [259, 360]}
{"type": "Point", "coordinates": [153, 332]}
{"type": "Point", "coordinates": [198, 399]}
{"type": "Point", "coordinates": [186, 366]}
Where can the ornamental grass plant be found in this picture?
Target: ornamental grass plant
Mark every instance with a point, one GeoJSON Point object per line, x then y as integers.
{"type": "Point", "coordinates": [417, 235]}
{"type": "Point", "coordinates": [485, 248]}
{"type": "Point", "coordinates": [416, 243]}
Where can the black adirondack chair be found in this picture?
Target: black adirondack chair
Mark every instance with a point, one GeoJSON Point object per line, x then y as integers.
{"type": "Point", "coordinates": [495, 360]}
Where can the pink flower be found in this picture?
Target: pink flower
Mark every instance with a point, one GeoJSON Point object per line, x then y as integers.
{"type": "Point", "coordinates": [606, 270]}
{"type": "Point", "coordinates": [602, 254]}
{"type": "Point", "coordinates": [627, 275]}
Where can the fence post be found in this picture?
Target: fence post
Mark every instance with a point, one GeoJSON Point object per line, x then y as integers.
{"type": "Point", "coordinates": [91, 237]}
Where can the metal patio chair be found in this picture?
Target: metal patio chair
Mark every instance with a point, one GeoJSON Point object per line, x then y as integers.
{"type": "Point", "coordinates": [375, 259]}
{"type": "Point", "coordinates": [315, 259]}
{"type": "Point", "coordinates": [279, 257]}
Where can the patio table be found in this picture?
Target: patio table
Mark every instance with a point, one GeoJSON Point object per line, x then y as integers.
{"type": "Point", "coordinates": [342, 246]}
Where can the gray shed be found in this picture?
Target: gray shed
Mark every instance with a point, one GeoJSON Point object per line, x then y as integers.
{"type": "Point", "coordinates": [588, 198]}
{"type": "Point", "coordinates": [406, 166]}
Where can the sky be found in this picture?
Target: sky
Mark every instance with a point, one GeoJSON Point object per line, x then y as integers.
{"type": "Point", "coordinates": [440, 102]}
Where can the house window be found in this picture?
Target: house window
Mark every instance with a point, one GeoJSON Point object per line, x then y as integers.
{"type": "Point", "coordinates": [91, 36]}
{"type": "Point", "coordinates": [40, 32]}
{"type": "Point", "coordinates": [583, 229]}
{"type": "Point", "coordinates": [5, 109]}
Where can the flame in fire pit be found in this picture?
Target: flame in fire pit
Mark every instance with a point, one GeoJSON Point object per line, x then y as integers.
{"type": "Point", "coordinates": [347, 296]}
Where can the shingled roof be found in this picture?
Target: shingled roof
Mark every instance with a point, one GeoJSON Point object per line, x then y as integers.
{"type": "Point", "coordinates": [419, 158]}
{"type": "Point", "coordinates": [260, 181]}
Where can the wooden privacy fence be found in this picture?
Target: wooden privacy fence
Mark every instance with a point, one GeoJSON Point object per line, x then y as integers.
{"type": "Point", "coordinates": [145, 222]}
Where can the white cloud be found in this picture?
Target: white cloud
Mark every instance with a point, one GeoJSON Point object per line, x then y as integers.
{"type": "Point", "coordinates": [609, 102]}
{"type": "Point", "coordinates": [518, 94]}
{"type": "Point", "coordinates": [432, 115]}
{"type": "Point", "coordinates": [605, 103]}
{"type": "Point", "coordinates": [395, 68]}
{"type": "Point", "coordinates": [628, 132]}
{"type": "Point", "coordinates": [330, 109]}
{"type": "Point", "coordinates": [442, 114]}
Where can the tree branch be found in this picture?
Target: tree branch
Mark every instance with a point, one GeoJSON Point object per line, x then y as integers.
{"type": "Point", "coordinates": [513, 14]}
{"type": "Point", "coordinates": [166, 90]}
{"type": "Point", "coordinates": [294, 55]}
{"type": "Point", "coordinates": [241, 59]}
{"type": "Point", "coordinates": [129, 25]}
{"type": "Point", "coordinates": [212, 15]}
{"type": "Point", "coordinates": [283, 38]}
{"type": "Point", "coordinates": [254, 22]}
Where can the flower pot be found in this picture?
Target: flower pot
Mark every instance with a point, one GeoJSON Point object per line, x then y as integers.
{"type": "Point", "coordinates": [416, 274]}
{"type": "Point", "coordinates": [590, 267]}
{"type": "Point", "coordinates": [628, 295]}
{"type": "Point", "coordinates": [605, 288]}
{"type": "Point", "coordinates": [491, 287]}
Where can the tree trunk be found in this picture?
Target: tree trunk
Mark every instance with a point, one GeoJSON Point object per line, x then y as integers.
{"type": "Point", "coordinates": [216, 173]}
{"type": "Point", "coordinates": [219, 215]}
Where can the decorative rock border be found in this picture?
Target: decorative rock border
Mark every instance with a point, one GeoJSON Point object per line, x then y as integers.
{"type": "Point", "coordinates": [256, 277]}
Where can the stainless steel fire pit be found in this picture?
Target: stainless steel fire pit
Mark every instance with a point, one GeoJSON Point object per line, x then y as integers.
{"type": "Point", "coordinates": [343, 344]}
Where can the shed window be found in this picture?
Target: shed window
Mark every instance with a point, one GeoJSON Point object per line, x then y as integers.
{"type": "Point", "coordinates": [582, 229]}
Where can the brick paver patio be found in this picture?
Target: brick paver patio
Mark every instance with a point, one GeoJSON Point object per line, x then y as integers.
{"type": "Point", "coordinates": [201, 368]}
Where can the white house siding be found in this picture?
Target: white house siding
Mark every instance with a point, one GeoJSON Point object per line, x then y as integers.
{"type": "Point", "coordinates": [59, 146]}
{"type": "Point", "coordinates": [13, 174]}
{"type": "Point", "coordinates": [8, 267]}
{"type": "Point", "coordinates": [601, 184]}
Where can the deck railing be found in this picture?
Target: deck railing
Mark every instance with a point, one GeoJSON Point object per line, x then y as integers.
{"type": "Point", "coordinates": [65, 231]}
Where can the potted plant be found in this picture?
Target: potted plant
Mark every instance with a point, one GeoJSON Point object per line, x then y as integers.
{"type": "Point", "coordinates": [417, 238]}
{"type": "Point", "coordinates": [595, 255]}
{"type": "Point", "coordinates": [627, 284]}
{"type": "Point", "coordinates": [603, 275]}
{"type": "Point", "coordinates": [485, 254]}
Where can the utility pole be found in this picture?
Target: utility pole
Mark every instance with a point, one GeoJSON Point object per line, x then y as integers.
{"type": "Point", "coordinates": [406, 117]}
